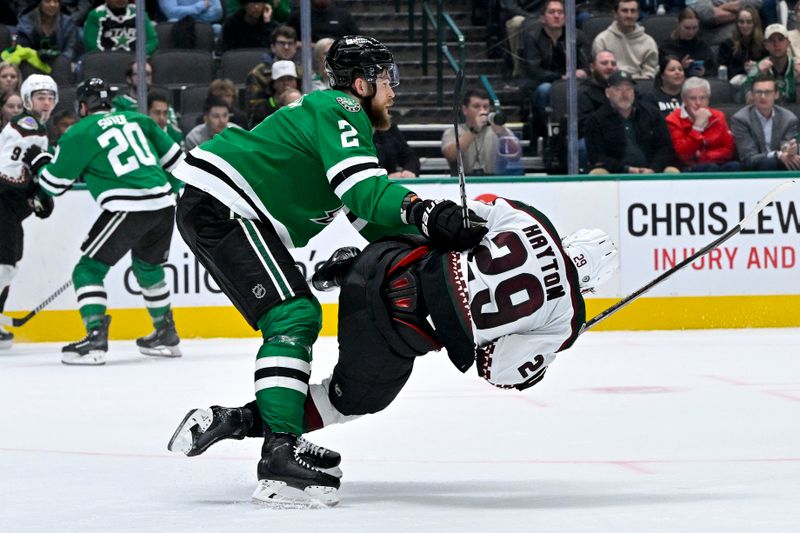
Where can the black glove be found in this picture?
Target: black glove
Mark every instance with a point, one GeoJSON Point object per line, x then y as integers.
{"type": "Point", "coordinates": [331, 274]}
{"type": "Point", "coordinates": [42, 203]}
{"type": "Point", "coordinates": [442, 223]}
{"type": "Point", "coordinates": [35, 158]}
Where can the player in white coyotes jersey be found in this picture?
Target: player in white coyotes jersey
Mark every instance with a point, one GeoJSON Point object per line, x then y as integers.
{"type": "Point", "coordinates": [509, 304]}
{"type": "Point", "coordinates": [18, 190]}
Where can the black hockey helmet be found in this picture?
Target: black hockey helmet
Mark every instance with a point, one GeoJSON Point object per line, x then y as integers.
{"type": "Point", "coordinates": [355, 55]}
{"type": "Point", "coordinates": [95, 93]}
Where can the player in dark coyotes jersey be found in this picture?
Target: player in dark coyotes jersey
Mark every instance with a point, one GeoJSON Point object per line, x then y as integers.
{"type": "Point", "coordinates": [252, 195]}
{"type": "Point", "coordinates": [19, 191]}
{"type": "Point", "coordinates": [510, 304]}
{"type": "Point", "coordinates": [120, 156]}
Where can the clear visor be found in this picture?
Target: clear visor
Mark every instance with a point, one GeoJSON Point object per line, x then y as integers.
{"type": "Point", "coordinates": [386, 72]}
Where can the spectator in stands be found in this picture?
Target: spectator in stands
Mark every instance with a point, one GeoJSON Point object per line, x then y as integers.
{"type": "Point", "coordinates": [544, 58]}
{"type": "Point", "coordinates": [784, 68]}
{"type": "Point", "coordinates": [249, 27]}
{"type": "Point", "coordinates": [479, 139]}
{"type": "Point", "coordinates": [10, 106]}
{"type": "Point", "coordinates": [765, 133]}
{"type": "Point", "coordinates": [636, 52]}
{"type": "Point", "coordinates": [226, 89]}
{"type": "Point", "coordinates": [700, 134]}
{"type": "Point", "coordinates": [47, 30]}
{"type": "Point", "coordinates": [394, 153]}
{"type": "Point", "coordinates": [158, 109]}
{"type": "Point", "coordinates": [78, 10]}
{"type": "Point", "coordinates": [284, 76]}
{"type": "Point", "coordinates": [320, 80]}
{"type": "Point", "coordinates": [745, 46]}
{"type": "Point", "coordinates": [685, 43]}
{"type": "Point", "coordinates": [283, 48]}
{"type": "Point", "coordinates": [60, 122]}
{"type": "Point", "coordinates": [112, 26]}
{"type": "Point", "coordinates": [127, 101]}
{"type": "Point", "coordinates": [216, 115]}
{"type": "Point", "coordinates": [666, 96]}
{"type": "Point", "coordinates": [515, 12]}
{"type": "Point", "coordinates": [718, 17]}
{"type": "Point", "coordinates": [625, 137]}
{"type": "Point", "coordinates": [208, 11]}
{"type": "Point", "coordinates": [326, 21]}
{"type": "Point", "coordinates": [10, 77]}
{"type": "Point", "coordinates": [592, 96]}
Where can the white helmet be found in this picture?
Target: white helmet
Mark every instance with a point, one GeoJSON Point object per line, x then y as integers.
{"type": "Point", "coordinates": [37, 82]}
{"type": "Point", "coordinates": [594, 255]}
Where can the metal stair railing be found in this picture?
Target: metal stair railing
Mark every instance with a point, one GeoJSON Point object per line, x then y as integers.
{"type": "Point", "coordinates": [439, 22]}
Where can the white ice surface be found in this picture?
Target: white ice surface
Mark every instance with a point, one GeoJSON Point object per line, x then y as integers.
{"type": "Point", "coordinates": [640, 432]}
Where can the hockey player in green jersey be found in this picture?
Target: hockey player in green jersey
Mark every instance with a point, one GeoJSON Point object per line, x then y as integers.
{"type": "Point", "coordinates": [120, 156]}
{"type": "Point", "coordinates": [252, 195]}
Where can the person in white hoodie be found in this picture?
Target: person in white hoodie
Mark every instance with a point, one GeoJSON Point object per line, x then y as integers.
{"type": "Point", "coordinates": [636, 52]}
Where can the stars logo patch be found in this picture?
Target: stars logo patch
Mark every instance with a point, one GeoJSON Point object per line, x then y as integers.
{"type": "Point", "coordinates": [348, 104]}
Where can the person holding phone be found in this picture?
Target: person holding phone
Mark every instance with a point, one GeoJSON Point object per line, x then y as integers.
{"type": "Point", "coordinates": [685, 43]}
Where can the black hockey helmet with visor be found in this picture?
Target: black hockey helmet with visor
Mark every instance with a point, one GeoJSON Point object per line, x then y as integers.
{"type": "Point", "coordinates": [356, 56]}
{"type": "Point", "coordinates": [95, 93]}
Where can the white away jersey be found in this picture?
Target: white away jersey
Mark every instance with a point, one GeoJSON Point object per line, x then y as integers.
{"type": "Point", "coordinates": [524, 299]}
{"type": "Point", "coordinates": [17, 136]}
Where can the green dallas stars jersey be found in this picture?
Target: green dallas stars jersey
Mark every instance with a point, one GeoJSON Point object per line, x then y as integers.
{"type": "Point", "coordinates": [118, 155]}
{"type": "Point", "coordinates": [299, 168]}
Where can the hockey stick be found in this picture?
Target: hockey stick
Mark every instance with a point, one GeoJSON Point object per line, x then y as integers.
{"type": "Point", "coordinates": [17, 322]}
{"type": "Point", "coordinates": [462, 181]}
{"type": "Point", "coordinates": [771, 195]}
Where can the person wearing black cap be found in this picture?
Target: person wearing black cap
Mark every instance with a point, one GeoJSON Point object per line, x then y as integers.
{"type": "Point", "coordinates": [625, 137]}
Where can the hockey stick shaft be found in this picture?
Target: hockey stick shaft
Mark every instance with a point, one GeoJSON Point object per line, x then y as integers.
{"type": "Point", "coordinates": [766, 200]}
{"type": "Point", "coordinates": [17, 322]}
{"type": "Point", "coordinates": [462, 180]}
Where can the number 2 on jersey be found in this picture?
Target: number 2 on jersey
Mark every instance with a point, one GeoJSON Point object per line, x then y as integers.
{"type": "Point", "coordinates": [349, 134]}
{"type": "Point", "coordinates": [130, 136]}
{"type": "Point", "coordinates": [515, 297]}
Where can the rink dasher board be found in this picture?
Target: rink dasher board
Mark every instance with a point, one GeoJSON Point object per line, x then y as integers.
{"type": "Point", "coordinates": [753, 280]}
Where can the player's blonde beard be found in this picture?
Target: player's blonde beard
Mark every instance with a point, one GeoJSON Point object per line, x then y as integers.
{"type": "Point", "coordinates": [379, 116]}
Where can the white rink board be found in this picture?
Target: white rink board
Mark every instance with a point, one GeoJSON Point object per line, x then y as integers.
{"type": "Point", "coordinates": [52, 245]}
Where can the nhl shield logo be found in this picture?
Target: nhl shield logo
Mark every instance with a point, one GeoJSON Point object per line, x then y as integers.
{"type": "Point", "coordinates": [349, 104]}
{"type": "Point", "coordinates": [259, 291]}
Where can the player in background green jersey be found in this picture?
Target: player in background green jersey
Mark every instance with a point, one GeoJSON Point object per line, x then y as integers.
{"type": "Point", "coordinates": [252, 195]}
{"type": "Point", "coordinates": [120, 155]}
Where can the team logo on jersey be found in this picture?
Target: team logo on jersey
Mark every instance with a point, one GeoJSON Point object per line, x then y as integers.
{"type": "Point", "coordinates": [330, 214]}
{"type": "Point", "coordinates": [259, 291]}
{"type": "Point", "coordinates": [28, 123]}
{"type": "Point", "coordinates": [349, 104]}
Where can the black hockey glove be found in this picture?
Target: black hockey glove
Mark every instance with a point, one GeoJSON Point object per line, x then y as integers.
{"type": "Point", "coordinates": [442, 223]}
{"type": "Point", "coordinates": [35, 158]}
{"type": "Point", "coordinates": [42, 203]}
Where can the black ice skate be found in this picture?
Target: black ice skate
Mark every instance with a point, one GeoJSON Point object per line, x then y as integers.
{"type": "Point", "coordinates": [6, 339]}
{"type": "Point", "coordinates": [91, 350]}
{"type": "Point", "coordinates": [163, 342]}
{"type": "Point", "coordinates": [331, 274]}
{"type": "Point", "coordinates": [201, 428]}
{"type": "Point", "coordinates": [281, 468]}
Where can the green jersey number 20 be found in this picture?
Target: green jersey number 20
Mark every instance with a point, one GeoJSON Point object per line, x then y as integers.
{"type": "Point", "coordinates": [131, 136]}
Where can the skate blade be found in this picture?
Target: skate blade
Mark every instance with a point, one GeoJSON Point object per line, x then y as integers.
{"type": "Point", "coordinates": [90, 359]}
{"type": "Point", "coordinates": [183, 439]}
{"type": "Point", "coordinates": [335, 471]}
{"type": "Point", "coordinates": [5, 345]}
{"type": "Point", "coordinates": [278, 495]}
{"type": "Point", "coordinates": [161, 351]}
